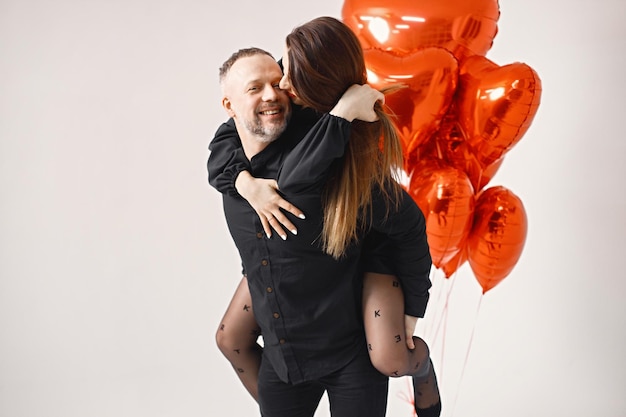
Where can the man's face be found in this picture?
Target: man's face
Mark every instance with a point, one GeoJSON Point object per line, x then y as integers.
{"type": "Point", "coordinates": [252, 97]}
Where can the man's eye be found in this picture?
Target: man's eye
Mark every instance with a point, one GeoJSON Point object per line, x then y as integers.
{"type": "Point", "coordinates": [253, 88]}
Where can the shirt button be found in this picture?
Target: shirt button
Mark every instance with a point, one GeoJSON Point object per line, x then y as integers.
{"type": "Point", "coordinates": [276, 315]}
{"type": "Point", "coordinates": [282, 341]}
{"type": "Point", "coordinates": [259, 235]}
{"type": "Point", "coordinates": [264, 262]}
{"type": "Point", "coordinates": [269, 289]}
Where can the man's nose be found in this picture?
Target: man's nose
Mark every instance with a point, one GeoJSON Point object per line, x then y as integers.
{"type": "Point", "coordinates": [270, 93]}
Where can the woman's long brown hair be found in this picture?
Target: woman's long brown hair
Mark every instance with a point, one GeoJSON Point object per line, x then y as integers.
{"type": "Point", "coordinates": [325, 59]}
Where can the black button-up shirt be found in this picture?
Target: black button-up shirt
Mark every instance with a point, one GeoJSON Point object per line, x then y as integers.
{"type": "Point", "coordinates": [307, 303]}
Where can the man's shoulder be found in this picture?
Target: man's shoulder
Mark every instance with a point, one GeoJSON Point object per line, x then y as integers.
{"type": "Point", "coordinates": [302, 120]}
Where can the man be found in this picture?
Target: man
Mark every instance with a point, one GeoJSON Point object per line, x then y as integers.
{"type": "Point", "coordinates": [306, 303]}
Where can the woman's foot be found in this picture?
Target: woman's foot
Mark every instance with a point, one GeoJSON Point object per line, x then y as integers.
{"type": "Point", "coordinates": [426, 393]}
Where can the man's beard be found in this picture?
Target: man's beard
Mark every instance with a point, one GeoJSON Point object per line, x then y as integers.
{"type": "Point", "coordinates": [266, 134]}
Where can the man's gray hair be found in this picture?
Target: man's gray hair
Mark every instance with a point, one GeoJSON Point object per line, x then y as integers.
{"type": "Point", "coordinates": [242, 53]}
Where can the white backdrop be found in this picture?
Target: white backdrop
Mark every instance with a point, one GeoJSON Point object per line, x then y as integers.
{"type": "Point", "coordinates": [116, 265]}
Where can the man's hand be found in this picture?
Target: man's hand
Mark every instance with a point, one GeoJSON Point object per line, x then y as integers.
{"type": "Point", "coordinates": [262, 194]}
{"type": "Point", "coordinates": [410, 323]}
{"type": "Point", "coordinates": [358, 103]}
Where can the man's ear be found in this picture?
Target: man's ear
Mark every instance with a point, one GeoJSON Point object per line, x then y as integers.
{"type": "Point", "coordinates": [228, 106]}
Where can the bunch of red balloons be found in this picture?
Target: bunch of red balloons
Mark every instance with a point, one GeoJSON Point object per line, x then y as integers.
{"type": "Point", "coordinates": [458, 114]}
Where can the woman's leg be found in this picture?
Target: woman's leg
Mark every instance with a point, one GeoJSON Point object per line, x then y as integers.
{"type": "Point", "coordinates": [383, 315]}
{"type": "Point", "coordinates": [237, 338]}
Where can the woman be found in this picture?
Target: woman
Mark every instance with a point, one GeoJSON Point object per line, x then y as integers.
{"type": "Point", "coordinates": [324, 52]}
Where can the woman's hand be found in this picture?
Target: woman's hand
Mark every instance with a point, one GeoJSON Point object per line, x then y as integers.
{"type": "Point", "coordinates": [410, 323]}
{"type": "Point", "coordinates": [358, 103]}
{"type": "Point", "coordinates": [262, 194]}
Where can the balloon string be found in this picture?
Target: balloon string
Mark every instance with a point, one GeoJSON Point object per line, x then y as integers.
{"type": "Point", "coordinates": [443, 321]}
{"type": "Point", "coordinates": [469, 347]}
{"type": "Point", "coordinates": [440, 293]}
{"type": "Point", "coordinates": [444, 311]}
{"type": "Point", "coordinates": [408, 398]}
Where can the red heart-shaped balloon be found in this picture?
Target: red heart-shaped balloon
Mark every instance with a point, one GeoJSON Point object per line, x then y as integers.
{"type": "Point", "coordinates": [446, 197]}
{"type": "Point", "coordinates": [463, 27]}
{"type": "Point", "coordinates": [451, 146]}
{"type": "Point", "coordinates": [497, 237]}
{"type": "Point", "coordinates": [429, 77]}
{"type": "Point", "coordinates": [496, 105]}
{"type": "Point", "coordinates": [450, 267]}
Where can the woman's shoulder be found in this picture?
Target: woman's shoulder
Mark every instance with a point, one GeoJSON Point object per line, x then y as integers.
{"type": "Point", "coordinates": [304, 114]}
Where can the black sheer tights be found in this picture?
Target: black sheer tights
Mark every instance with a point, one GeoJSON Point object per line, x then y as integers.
{"type": "Point", "coordinates": [237, 338]}
{"type": "Point", "coordinates": [383, 315]}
